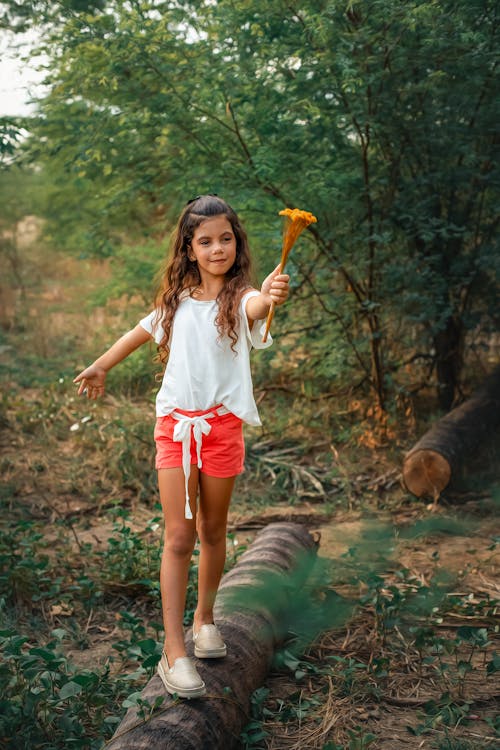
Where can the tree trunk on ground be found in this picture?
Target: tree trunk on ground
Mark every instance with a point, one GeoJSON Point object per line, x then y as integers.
{"type": "Point", "coordinates": [431, 463]}
{"type": "Point", "coordinates": [252, 626]}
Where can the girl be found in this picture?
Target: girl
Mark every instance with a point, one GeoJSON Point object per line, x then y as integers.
{"type": "Point", "coordinates": [206, 319]}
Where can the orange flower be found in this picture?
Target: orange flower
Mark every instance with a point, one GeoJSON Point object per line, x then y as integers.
{"type": "Point", "coordinates": [296, 221]}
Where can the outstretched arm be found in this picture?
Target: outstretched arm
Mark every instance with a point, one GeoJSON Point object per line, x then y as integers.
{"type": "Point", "coordinates": [92, 379]}
{"type": "Point", "coordinates": [275, 288]}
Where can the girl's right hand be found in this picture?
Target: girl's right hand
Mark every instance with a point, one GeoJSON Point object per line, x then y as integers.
{"type": "Point", "coordinates": [91, 381]}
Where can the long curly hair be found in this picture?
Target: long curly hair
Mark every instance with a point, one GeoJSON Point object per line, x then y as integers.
{"type": "Point", "coordinates": [181, 273]}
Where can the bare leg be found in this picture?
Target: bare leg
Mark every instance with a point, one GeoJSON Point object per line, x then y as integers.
{"type": "Point", "coordinates": [215, 496]}
{"type": "Point", "coordinates": [180, 538]}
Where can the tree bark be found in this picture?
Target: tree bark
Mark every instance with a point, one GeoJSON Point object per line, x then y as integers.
{"type": "Point", "coordinates": [448, 344]}
{"type": "Point", "coordinates": [431, 463]}
{"type": "Point", "coordinates": [252, 624]}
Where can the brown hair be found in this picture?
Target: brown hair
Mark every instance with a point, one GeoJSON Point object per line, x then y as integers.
{"type": "Point", "coordinates": [181, 273]}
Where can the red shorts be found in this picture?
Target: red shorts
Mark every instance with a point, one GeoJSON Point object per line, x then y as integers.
{"type": "Point", "coordinates": [222, 449]}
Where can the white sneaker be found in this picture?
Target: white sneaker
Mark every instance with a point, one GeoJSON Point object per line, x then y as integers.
{"type": "Point", "coordinates": [208, 643]}
{"type": "Point", "coordinates": [182, 679]}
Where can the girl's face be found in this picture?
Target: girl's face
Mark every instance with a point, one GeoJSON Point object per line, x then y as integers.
{"type": "Point", "coordinates": [213, 246]}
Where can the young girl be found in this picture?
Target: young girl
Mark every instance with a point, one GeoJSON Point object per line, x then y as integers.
{"type": "Point", "coordinates": [206, 319]}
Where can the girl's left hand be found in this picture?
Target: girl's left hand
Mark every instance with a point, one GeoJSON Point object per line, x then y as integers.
{"type": "Point", "coordinates": [276, 286]}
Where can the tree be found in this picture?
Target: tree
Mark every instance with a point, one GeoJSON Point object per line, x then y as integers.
{"type": "Point", "coordinates": [378, 116]}
{"type": "Point", "coordinates": [19, 15]}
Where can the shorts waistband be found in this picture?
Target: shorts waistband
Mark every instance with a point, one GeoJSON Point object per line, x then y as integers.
{"type": "Point", "coordinates": [218, 411]}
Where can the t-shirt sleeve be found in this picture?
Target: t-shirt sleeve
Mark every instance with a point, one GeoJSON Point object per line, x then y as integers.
{"type": "Point", "coordinates": [255, 335]}
{"type": "Point", "coordinates": [152, 324]}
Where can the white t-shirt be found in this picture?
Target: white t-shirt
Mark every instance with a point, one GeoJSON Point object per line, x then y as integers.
{"type": "Point", "coordinates": [202, 370]}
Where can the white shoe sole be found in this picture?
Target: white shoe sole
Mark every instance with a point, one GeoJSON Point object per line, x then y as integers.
{"type": "Point", "coordinates": [195, 692]}
{"type": "Point", "coordinates": [210, 653]}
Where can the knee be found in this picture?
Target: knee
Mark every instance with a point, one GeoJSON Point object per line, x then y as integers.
{"type": "Point", "coordinates": [211, 533]}
{"type": "Point", "coordinates": [180, 542]}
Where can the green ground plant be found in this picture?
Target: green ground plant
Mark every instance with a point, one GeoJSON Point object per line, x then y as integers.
{"type": "Point", "coordinates": [47, 700]}
{"type": "Point", "coordinates": [132, 559]}
{"type": "Point", "coordinates": [450, 743]}
{"type": "Point", "coordinates": [390, 604]}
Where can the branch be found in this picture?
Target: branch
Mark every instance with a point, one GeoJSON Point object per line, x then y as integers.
{"type": "Point", "coordinates": [344, 327]}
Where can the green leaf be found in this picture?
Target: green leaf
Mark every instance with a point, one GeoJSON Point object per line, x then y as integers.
{"type": "Point", "coordinates": [59, 633]}
{"type": "Point", "coordinates": [494, 664]}
{"type": "Point", "coordinates": [69, 690]}
{"type": "Point", "coordinates": [133, 700]}
{"type": "Point", "coordinates": [149, 646]}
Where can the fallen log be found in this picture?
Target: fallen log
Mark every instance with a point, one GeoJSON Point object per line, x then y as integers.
{"type": "Point", "coordinates": [429, 466]}
{"type": "Point", "coordinates": [253, 626]}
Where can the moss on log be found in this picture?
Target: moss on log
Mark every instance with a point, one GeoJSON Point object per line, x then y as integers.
{"type": "Point", "coordinates": [431, 463]}
{"type": "Point", "coordinates": [251, 623]}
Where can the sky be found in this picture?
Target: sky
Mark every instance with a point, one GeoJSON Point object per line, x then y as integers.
{"type": "Point", "coordinates": [19, 79]}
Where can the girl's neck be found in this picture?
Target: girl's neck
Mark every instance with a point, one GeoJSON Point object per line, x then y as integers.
{"type": "Point", "coordinates": [207, 290]}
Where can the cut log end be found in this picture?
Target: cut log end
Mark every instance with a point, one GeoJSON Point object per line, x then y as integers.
{"type": "Point", "coordinates": [442, 451]}
{"type": "Point", "coordinates": [426, 473]}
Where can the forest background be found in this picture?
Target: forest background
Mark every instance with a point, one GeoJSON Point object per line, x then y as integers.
{"type": "Point", "coordinates": [381, 118]}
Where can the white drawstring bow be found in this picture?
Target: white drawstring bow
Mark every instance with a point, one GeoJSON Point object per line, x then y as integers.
{"type": "Point", "coordinates": [182, 434]}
